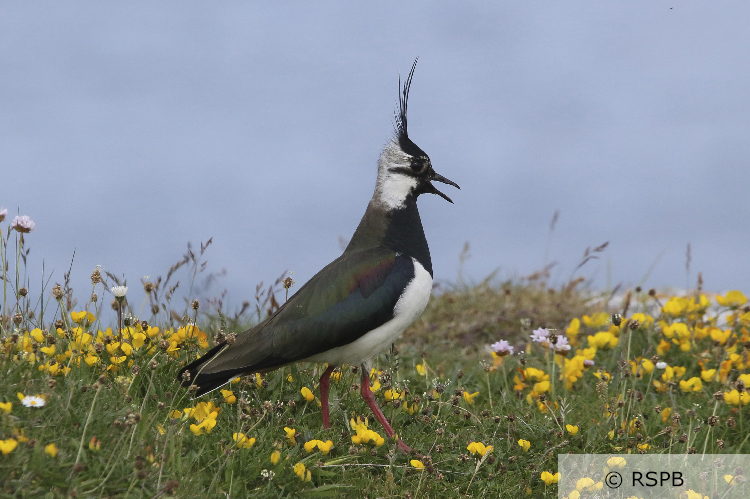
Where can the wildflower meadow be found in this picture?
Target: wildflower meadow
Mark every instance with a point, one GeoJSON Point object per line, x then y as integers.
{"type": "Point", "coordinates": [487, 388]}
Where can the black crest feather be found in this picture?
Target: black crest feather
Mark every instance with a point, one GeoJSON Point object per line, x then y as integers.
{"type": "Point", "coordinates": [403, 100]}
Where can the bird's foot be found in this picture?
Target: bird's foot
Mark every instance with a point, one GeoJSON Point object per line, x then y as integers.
{"type": "Point", "coordinates": [405, 449]}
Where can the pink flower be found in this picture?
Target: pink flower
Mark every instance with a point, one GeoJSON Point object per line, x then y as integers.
{"type": "Point", "coordinates": [588, 363]}
{"type": "Point", "coordinates": [23, 224]}
{"type": "Point", "coordinates": [561, 345]}
{"type": "Point", "coordinates": [540, 335]}
{"type": "Point", "coordinates": [3, 213]}
{"type": "Point", "coordinates": [502, 348]}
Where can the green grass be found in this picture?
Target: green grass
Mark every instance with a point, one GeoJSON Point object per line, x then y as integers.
{"type": "Point", "coordinates": [145, 452]}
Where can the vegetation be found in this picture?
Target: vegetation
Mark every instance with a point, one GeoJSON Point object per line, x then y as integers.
{"type": "Point", "coordinates": [487, 388]}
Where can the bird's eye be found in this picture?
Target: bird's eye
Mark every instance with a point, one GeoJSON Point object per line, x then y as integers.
{"type": "Point", "coordinates": [419, 164]}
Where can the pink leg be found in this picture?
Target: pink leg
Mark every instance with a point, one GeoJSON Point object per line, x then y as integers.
{"type": "Point", "coordinates": [370, 399]}
{"type": "Point", "coordinates": [325, 382]}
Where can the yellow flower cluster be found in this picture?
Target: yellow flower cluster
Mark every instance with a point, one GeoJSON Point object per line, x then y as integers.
{"type": "Point", "coordinates": [363, 434]}
{"type": "Point", "coordinates": [324, 447]}
{"type": "Point", "coordinates": [83, 345]}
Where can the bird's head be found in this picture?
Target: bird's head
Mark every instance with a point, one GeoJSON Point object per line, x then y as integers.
{"type": "Point", "coordinates": [404, 169]}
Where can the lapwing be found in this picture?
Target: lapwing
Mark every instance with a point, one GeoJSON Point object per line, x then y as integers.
{"type": "Point", "coordinates": [360, 303]}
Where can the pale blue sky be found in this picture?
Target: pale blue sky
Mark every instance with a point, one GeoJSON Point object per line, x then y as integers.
{"type": "Point", "coordinates": [129, 129]}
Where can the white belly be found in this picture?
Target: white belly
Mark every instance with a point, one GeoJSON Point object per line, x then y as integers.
{"type": "Point", "coordinates": [409, 306]}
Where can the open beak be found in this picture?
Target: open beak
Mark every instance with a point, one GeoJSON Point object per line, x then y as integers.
{"type": "Point", "coordinates": [440, 178]}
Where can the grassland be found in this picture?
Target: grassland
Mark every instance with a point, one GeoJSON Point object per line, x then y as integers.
{"type": "Point", "coordinates": [89, 405]}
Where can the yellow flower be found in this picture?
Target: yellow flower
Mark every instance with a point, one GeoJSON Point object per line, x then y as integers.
{"type": "Point", "coordinates": [204, 426]}
{"type": "Point", "coordinates": [417, 464]}
{"type": "Point", "coordinates": [573, 327]}
{"type": "Point", "coordinates": [325, 447]}
{"type": "Point", "coordinates": [734, 398]}
{"type": "Point", "coordinates": [48, 351]}
{"type": "Point", "coordinates": [95, 444]}
{"type": "Point", "coordinates": [411, 409]}
{"type": "Point", "coordinates": [616, 462]}
{"type": "Point", "coordinates": [571, 429]}
{"type": "Point", "coordinates": [732, 299]}
{"type": "Point", "coordinates": [51, 450]}
{"type": "Point", "coordinates": [730, 480]}
{"type": "Point", "coordinates": [719, 336]}
{"type": "Point", "coordinates": [694, 384]}
{"type": "Point", "coordinates": [421, 370]}
{"type": "Point", "coordinates": [275, 455]}
{"type": "Point", "coordinates": [525, 444]}
{"type": "Point", "coordinates": [479, 448]}
{"type": "Point", "coordinates": [307, 393]}
{"type": "Point", "coordinates": [596, 320]}
{"type": "Point", "coordinates": [290, 433]}
{"type": "Point", "coordinates": [644, 446]}
{"type": "Point", "coordinates": [586, 484]}
{"type": "Point", "coordinates": [665, 413]}
{"type": "Point", "coordinates": [691, 494]}
{"type": "Point", "coordinates": [91, 360]}
{"type": "Point", "coordinates": [81, 317]}
{"type": "Point", "coordinates": [229, 396]}
{"type": "Point", "coordinates": [38, 335]}
{"type": "Point", "coordinates": [393, 395]}
{"type": "Point", "coordinates": [469, 397]}
{"type": "Point", "coordinates": [548, 478]}
{"type": "Point", "coordinates": [242, 441]}
{"type": "Point", "coordinates": [708, 375]}
{"type": "Point", "coordinates": [541, 387]}
{"type": "Point", "coordinates": [603, 340]}
{"type": "Point", "coordinates": [7, 446]}
{"type": "Point", "coordinates": [299, 470]}
{"type": "Point", "coordinates": [6, 407]}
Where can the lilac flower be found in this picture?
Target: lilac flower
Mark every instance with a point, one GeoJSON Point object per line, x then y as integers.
{"type": "Point", "coordinates": [3, 213]}
{"type": "Point", "coordinates": [561, 345]}
{"type": "Point", "coordinates": [588, 363]}
{"type": "Point", "coordinates": [540, 335]}
{"type": "Point", "coordinates": [502, 348]}
{"type": "Point", "coordinates": [23, 224]}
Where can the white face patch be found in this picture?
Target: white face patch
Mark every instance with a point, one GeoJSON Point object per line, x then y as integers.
{"type": "Point", "coordinates": [392, 188]}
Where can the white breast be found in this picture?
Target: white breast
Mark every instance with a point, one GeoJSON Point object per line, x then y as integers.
{"type": "Point", "coordinates": [409, 306]}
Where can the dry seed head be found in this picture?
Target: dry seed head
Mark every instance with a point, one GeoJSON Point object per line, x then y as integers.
{"type": "Point", "coordinates": [195, 305]}
{"type": "Point", "coordinates": [148, 286]}
{"type": "Point", "coordinates": [719, 443]}
{"type": "Point", "coordinates": [231, 338]}
{"type": "Point", "coordinates": [154, 364]}
{"type": "Point", "coordinates": [57, 292]}
{"type": "Point", "coordinates": [633, 325]}
{"type": "Point", "coordinates": [23, 291]}
{"type": "Point", "coordinates": [719, 396]}
{"type": "Point", "coordinates": [115, 305]}
{"type": "Point", "coordinates": [59, 324]}
{"type": "Point", "coordinates": [731, 422]}
{"type": "Point", "coordinates": [96, 277]}
{"type": "Point", "coordinates": [17, 319]}
{"type": "Point", "coordinates": [713, 420]}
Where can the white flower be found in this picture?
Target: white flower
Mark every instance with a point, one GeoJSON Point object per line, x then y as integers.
{"type": "Point", "coordinates": [539, 335]}
{"type": "Point", "coordinates": [588, 363]}
{"type": "Point", "coordinates": [661, 365]}
{"type": "Point", "coordinates": [22, 224]}
{"type": "Point", "coordinates": [32, 401]}
{"type": "Point", "coordinates": [3, 213]}
{"type": "Point", "coordinates": [119, 291]}
{"type": "Point", "coordinates": [502, 348]}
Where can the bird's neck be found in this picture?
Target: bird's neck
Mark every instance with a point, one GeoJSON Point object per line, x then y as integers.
{"type": "Point", "coordinates": [399, 229]}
